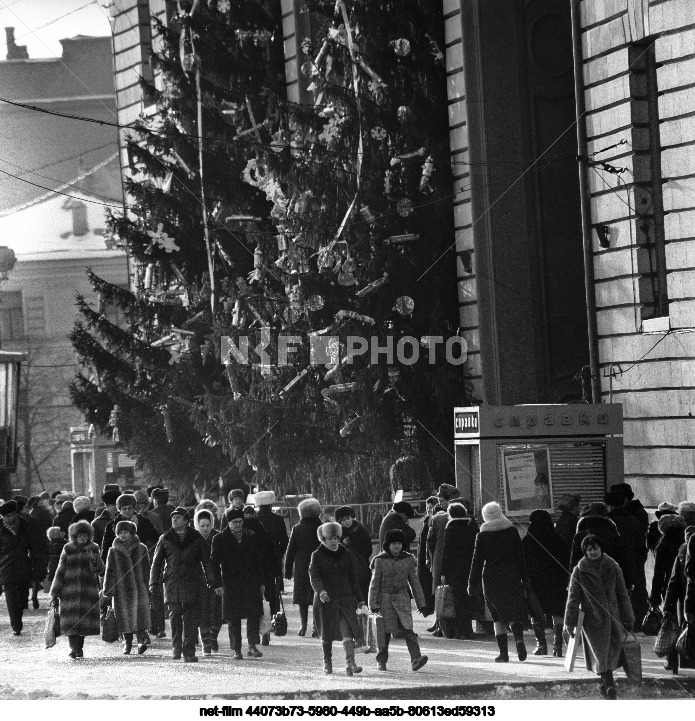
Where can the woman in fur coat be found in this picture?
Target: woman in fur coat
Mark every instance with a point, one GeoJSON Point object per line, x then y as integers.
{"type": "Point", "coordinates": [126, 582]}
{"type": "Point", "coordinates": [498, 562]}
{"type": "Point", "coordinates": [597, 585]}
{"type": "Point", "coordinates": [75, 587]}
{"type": "Point", "coordinates": [303, 542]}
{"type": "Point", "coordinates": [337, 595]}
{"type": "Point", "coordinates": [672, 530]}
{"type": "Point", "coordinates": [210, 602]}
{"type": "Point", "coordinates": [395, 575]}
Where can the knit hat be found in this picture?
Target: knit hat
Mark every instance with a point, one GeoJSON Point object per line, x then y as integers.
{"type": "Point", "coordinates": [126, 526]}
{"type": "Point", "coordinates": [405, 508]}
{"type": "Point", "coordinates": [160, 494]}
{"type": "Point", "coordinates": [457, 510]}
{"type": "Point", "coordinates": [237, 493]}
{"type": "Point", "coordinates": [395, 535]}
{"type": "Point", "coordinates": [126, 499]}
{"type": "Point", "coordinates": [448, 492]}
{"type": "Point", "coordinates": [671, 520]}
{"type": "Point", "coordinates": [8, 507]}
{"type": "Point", "coordinates": [232, 513]}
{"type": "Point", "coordinates": [180, 511]}
{"type": "Point", "coordinates": [685, 509]}
{"type": "Point", "coordinates": [81, 503]}
{"type": "Point", "coordinates": [664, 508]}
{"type": "Point", "coordinates": [264, 498]}
{"type": "Point", "coordinates": [344, 512]}
{"type": "Point", "coordinates": [110, 497]}
{"type": "Point", "coordinates": [142, 497]}
{"type": "Point", "coordinates": [492, 511]}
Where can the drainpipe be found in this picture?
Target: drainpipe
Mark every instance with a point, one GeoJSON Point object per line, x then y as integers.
{"type": "Point", "coordinates": [589, 288]}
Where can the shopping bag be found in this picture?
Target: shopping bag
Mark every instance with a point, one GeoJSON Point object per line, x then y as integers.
{"type": "Point", "coordinates": [631, 659]}
{"type": "Point", "coordinates": [685, 645]}
{"type": "Point", "coordinates": [265, 624]}
{"type": "Point", "coordinates": [109, 627]}
{"type": "Point", "coordinates": [651, 623]}
{"type": "Point", "coordinates": [376, 636]}
{"type": "Point", "coordinates": [667, 636]}
{"type": "Point", "coordinates": [52, 628]}
{"type": "Point", "coordinates": [575, 643]}
{"type": "Point", "coordinates": [444, 602]}
{"type": "Point", "coordinates": [279, 623]}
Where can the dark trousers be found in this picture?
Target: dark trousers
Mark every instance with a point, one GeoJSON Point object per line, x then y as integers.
{"type": "Point", "coordinates": [157, 609]}
{"type": "Point", "coordinates": [76, 642]}
{"type": "Point", "coordinates": [184, 618]}
{"type": "Point", "coordinates": [16, 597]}
{"type": "Point", "coordinates": [411, 642]}
{"type": "Point", "coordinates": [252, 635]}
{"type": "Point", "coordinates": [272, 595]}
{"type": "Point", "coordinates": [210, 616]}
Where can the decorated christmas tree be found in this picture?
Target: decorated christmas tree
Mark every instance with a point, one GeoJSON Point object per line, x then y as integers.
{"type": "Point", "coordinates": [294, 290]}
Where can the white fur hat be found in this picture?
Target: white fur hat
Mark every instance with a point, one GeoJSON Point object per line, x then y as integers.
{"type": "Point", "coordinates": [264, 498]}
{"type": "Point", "coordinates": [492, 511]}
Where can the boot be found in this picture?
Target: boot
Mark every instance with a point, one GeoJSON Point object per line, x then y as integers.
{"type": "Point", "coordinates": [350, 666]}
{"type": "Point", "coordinates": [504, 648]}
{"type": "Point", "coordinates": [608, 686]}
{"type": "Point", "coordinates": [541, 644]}
{"type": "Point", "coordinates": [417, 660]}
{"type": "Point", "coordinates": [253, 651]}
{"type": "Point", "coordinates": [303, 618]}
{"type": "Point", "coordinates": [127, 643]}
{"type": "Point", "coordinates": [557, 641]}
{"type": "Point", "coordinates": [672, 661]}
{"type": "Point", "coordinates": [265, 639]}
{"type": "Point", "coordinates": [74, 646]}
{"type": "Point", "coordinates": [328, 658]}
{"type": "Point", "coordinates": [518, 631]}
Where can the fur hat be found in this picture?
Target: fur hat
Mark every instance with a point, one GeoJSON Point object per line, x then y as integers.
{"type": "Point", "coordinates": [309, 508]}
{"type": "Point", "coordinates": [448, 492]}
{"type": "Point", "coordinates": [180, 511]}
{"type": "Point", "coordinates": [151, 489]}
{"type": "Point", "coordinates": [624, 489]}
{"type": "Point", "coordinates": [664, 508]}
{"type": "Point", "coordinates": [492, 511]}
{"type": "Point", "coordinates": [344, 512]}
{"type": "Point", "coordinates": [21, 501]}
{"type": "Point", "coordinates": [54, 533]}
{"type": "Point", "coordinates": [249, 512]}
{"type": "Point", "coordinates": [44, 496]}
{"type": "Point", "coordinates": [8, 507]}
{"type": "Point", "coordinates": [109, 498]}
{"type": "Point", "coordinates": [208, 505]}
{"type": "Point", "coordinates": [405, 508]}
{"type": "Point", "coordinates": [203, 514]}
{"type": "Point", "coordinates": [332, 528]}
{"type": "Point", "coordinates": [231, 513]}
{"type": "Point", "coordinates": [80, 527]}
{"type": "Point", "coordinates": [126, 499]}
{"type": "Point", "coordinates": [595, 509]}
{"type": "Point", "coordinates": [142, 497]}
{"type": "Point", "coordinates": [685, 509]}
{"type": "Point", "coordinates": [112, 487]}
{"type": "Point", "coordinates": [395, 535]}
{"type": "Point", "coordinates": [160, 494]}
{"type": "Point", "coordinates": [67, 507]}
{"type": "Point", "coordinates": [237, 493]}
{"type": "Point", "coordinates": [457, 510]}
{"type": "Point", "coordinates": [81, 503]}
{"type": "Point", "coordinates": [671, 520]}
{"type": "Point", "coordinates": [126, 526]}
{"type": "Point", "coordinates": [63, 496]}
{"type": "Point", "coordinates": [264, 498]}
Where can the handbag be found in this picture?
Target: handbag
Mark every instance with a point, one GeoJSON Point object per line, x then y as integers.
{"type": "Point", "coordinates": [279, 623]}
{"type": "Point", "coordinates": [667, 636]}
{"type": "Point", "coordinates": [265, 623]}
{"type": "Point", "coordinates": [574, 643]}
{"type": "Point", "coordinates": [685, 645]}
{"type": "Point", "coordinates": [444, 602]}
{"type": "Point", "coordinates": [651, 623]}
{"type": "Point", "coordinates": [109, 627]}
{"type": "Point", "coordinates": [52, 628]}
{"type": "Point", "coordinates": [631, 659]}
{"type": "Point", "coordinates": [376, 634]}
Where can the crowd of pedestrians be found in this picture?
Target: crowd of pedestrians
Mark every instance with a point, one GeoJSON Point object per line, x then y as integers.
{"type": "Point", "coordinates": [142, 557]}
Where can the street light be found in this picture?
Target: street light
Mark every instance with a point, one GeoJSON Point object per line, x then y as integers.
{"type": "Point", "coordinates": [10, 364]}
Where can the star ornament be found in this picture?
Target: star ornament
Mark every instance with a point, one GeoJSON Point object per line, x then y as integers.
{"type": "Point", "coordinates": [164, 241]}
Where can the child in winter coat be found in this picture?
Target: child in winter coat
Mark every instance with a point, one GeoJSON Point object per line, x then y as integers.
{"type": "Point", "coordinates": [394, 571]}
{"type": "Point", "coordinates": [56, 541]}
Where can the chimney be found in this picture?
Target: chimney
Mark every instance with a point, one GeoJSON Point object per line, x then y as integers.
{"type": "Point", "coordinates": [14, 51]}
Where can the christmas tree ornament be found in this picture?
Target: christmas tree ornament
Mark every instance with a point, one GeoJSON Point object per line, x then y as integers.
{"type": "Point", "coordinates": [189, 60]}
{"type": "Point", "coordinates": [293, 383]}
{"type": "Point", "coordinates": [378, 133]}
{"type": "Point", "coordinates": [367, 215]}
{"type": "Point", "coordinates": [401, 239]}
{"type": "Point", "coordinates": [349, 427]}
{"type": "Point", "coordinates": [223, 6]}
{"type": "Point", "coordinates": [337, 389]}
{"type": "Point", "coordinates": [343, 315]}
{"type": "Point", "coordinates": [401, 47]}
{"type": "Point", "coordinates": [405, 115]}
{"type": "Point", "coordinates": [387, 182]}
{"type": "Point", "coordinates": [257, 272]}
{"type": "Point", "coordinates": [412, 155]}
{"type": "Point", "coordinates": [427, 170]}
{"type": "Point", "coordinates": [373, 286]}
{"type": "Point", "coordinates": [149, 276]}
{"type": "Point", "coordinates": [405, 207]}
{"type": "Point", "coordinates": [162, 240]}
{"type": "Point", "coordinates": [405, 305]}
{"type": "Point", "coordinates": [168, 424]}
{"type": "Point", "coordinates": [314, 302]}
{"type": "Point", "coordinates": [437, 54]}
{"type": "Point", "coordinates": [346, 275]}
{"type": "Point", "coordinates": [114, 419]}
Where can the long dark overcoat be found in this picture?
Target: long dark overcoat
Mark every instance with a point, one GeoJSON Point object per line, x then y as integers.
{"type": "Point", "coordinates": [498, 560]}
{"type": "Point", "coordinates": [303, 542]}
{"type": "Point", "coordinates": [210, 602]}
{"type": "Point", "coordinates": [389, 590]}
{"type": "Point", "coordinates": [357, 541]}
{"type": "Point", "coordinates": [566, 527]}
{"type": "Point", "coordinates": [237, 567]}
{"type": "Point", "coordinates": [183, 565]}
{"type": "Point", "coordinates": [334, 572]}
{"type": "Point", "coordinates": [20, 555]}
{"type": "Point", "coordinates": [76, 584]}
{"type": "Point", "coordinates": [126, 579]}
{"type": "Point", "coordinates": [423, 570]}
{"type": "Point", "coordinates": [547, 558]}
{"type": "Point", "coordinates": [678, 582]}
{"type": "Point", "coordinates": [275, 525]}
{"type": "Point", "coordinates": [600, 589]}
{"type": "Point", "coordinates": [394, 521]}
{"type": "Point", "coordinates": [664, 558]}
{"type": "Point", "coordinates": [457, 556]}
{"type": "Point", "coordinates": [435, 546]}
{"type": "Point", "coordinates": [99, 526]}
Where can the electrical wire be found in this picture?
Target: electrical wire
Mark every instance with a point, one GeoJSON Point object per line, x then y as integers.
{"type": "Point", "coordinates": [51, 22]}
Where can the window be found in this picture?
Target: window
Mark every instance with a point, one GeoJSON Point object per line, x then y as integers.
{"type": "Point", "coordinates": [648, 195]}
{"type": "Point", "coordinates": [11, 316]}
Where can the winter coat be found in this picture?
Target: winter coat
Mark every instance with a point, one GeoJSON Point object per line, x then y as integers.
{"type": "Point", "coordinates": [457, 555]}
{"type": "Point", "coordinates": [160, 517]}
{"type": "Point", "coordinates": [237, 566]}
{"type": "Point", "coordinates": [76, 584]}
{"type": "Point", "coordinates": [55, 549]}
{"type": "Point", "coordinates": [600, 589]}
{"type": "Point", "coordinates": [42, 546]}
{"type": "Point", "coordinates": [99, 526]}
{"type": "Point", "coordinates": [677, 583]}
{"type": "Point", "coordinates": [547, 560]}
{"type": "Point", "coordinates": [665, 556]}
{"type": "Point", "coordinates": [87, 515]}
{"type": "Point", "coordinates": [266, 551]}
{"type": "Point", "coordinates": [146, 532]}
{"type": "Point", "coordinates": [182, 564]}
{"type": "Point", "coordinates": [423, 570]}
{"type": "Point", "coordinates": [389, 593]}
{"type": "Point", "coordinates": [334, 572]}
{"type": "Point", "coordinates": [689, 568]}
{"type": "Point", "coordinates": [393, 520]}
{"type": "Point", "coordinates": [653, 535]}
{"type": "Point", "coordinates": [210, 602]}
{"type": "Point", "coordinates": [126, 579]}
{"type": "Point", "coordinates": [435, 546]}
{"type": "Point", "coordinates": [275, 525]}
{"type": "Point", "coordinates": [303, 542]}
{"type": "Point", "coordinates": [632, 536]}
{"type": "Point", "coordinates": [566, 527]}
{"type": "Point", "coordinates": [498, 561]}
{"type": "Point", "coordinates": [20, 555]}
{"type": "Point", "coordinates": [65, 517]}
{"type": "Point", "coordinates": [357, 541]}
{"type": "Point", "coordinates": [42, 516]}
{"type": "Point", "coordinates": [636, 509]}
{"type": "Point", "coordinates": [613, 546]}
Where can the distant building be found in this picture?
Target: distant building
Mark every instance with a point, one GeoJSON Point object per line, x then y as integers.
{"type": "Point", "coordinates": [56, 177]}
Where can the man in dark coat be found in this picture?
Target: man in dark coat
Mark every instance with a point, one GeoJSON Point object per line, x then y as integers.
{"type": "Point", "coordinates": [41, 541]}
{"type": "Point", "coordinates": [20, 556]}
{"type": "Point", "coordinates": [423, 570]}
{"type": "Point", "coordinates": [181, 562]}
{"type": "Point", "coordinates": [160, 515]}
{"type": "Point", "coordinates": [398, 517]}
{"type": "Point", "coordinates": [238, 572]}
{"type": "Point", "coordinates": [147, 533]}
{"type": "Point", "coordinates": [107, 515]}
{"type": "Point", "coordinates": [41, 513]}
{"type": "Point", "coordinates": [275, 525]}
{"type": "Point", "coordinates": [566, 526]}
{"type": "Point", "coordinates": [267, 552]}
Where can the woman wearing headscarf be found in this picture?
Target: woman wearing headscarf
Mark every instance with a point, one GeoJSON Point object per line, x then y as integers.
{"type": "Point", "coordinates": [303, 542]}
{"type": "Point", "coordinates": [210, 602]}
{"type": "Point", "coordinates": [126, 581]}
{"type": "Point", "coordinates": [75, 587]}
{"type": "Point", "coordinates": [337, 596]}
{"type": "Point", "coordinates": [598, 586]}
{"type": "Point", "coordinates": [498, 562]}
{"type": "Point", "coordinates": [547, 558]}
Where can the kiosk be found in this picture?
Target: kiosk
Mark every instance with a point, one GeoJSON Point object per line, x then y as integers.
{"type": "Point", "coordinates": [525, 457]}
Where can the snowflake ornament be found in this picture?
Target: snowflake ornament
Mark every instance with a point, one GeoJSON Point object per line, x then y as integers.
{"type": "Point", "coordinates": [223, 6]}
{"type": "Point", "coordinates": [164, 241]}
{"type": "Point", "coordinates": [378, 133]}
